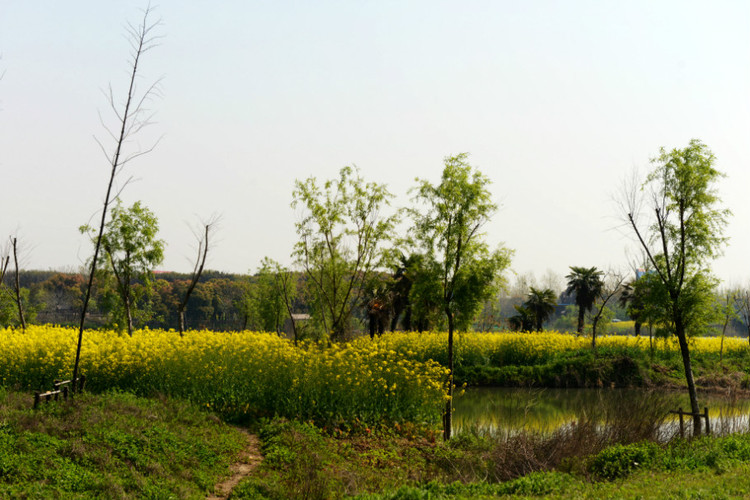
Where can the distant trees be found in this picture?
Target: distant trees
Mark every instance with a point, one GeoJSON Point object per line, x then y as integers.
{"type": "Point", "coordinates": [586, 283]}
{"type": "Point", "coordinates": [268, 297]}
{"type": "Point", "coordinates": [632, 299]}
{"type": "Point", "coordinates": [448, 229]}
{"type": "Point", "coordinates": [683, 233]}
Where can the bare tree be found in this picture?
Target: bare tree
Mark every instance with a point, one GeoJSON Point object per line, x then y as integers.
{"type": "Point", "coordinates": [726, 300]}
{"type": "Point", "coordinates": [4, 263]}
{"type": "Point", "coordinates": [132, 118]}
{"type": "Point", "coordinates": [286, 283]}
{"type": "Point", "coordinates": [17, 282]}
{"type": "Point", "coordinates": [742, 303]}
{"type": "Point", "coordinates": [612, 287]}
{"type": "Point", "coordinates": [200, 262]}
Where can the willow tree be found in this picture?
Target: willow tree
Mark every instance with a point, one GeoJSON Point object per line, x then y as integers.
{"type": "Point", "coordinates": [341, 233]}
{"type": "Point", "coordinates": [681, 231]}
{"type": "Point", "coordinates": [448, 226]}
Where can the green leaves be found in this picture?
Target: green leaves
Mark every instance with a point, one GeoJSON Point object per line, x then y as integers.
{"type": "Point", "coordinates": [132, 251]}
{"type": "Point", "coordinates": [342, 232]}
{"type": "Point", "coordinates": [448, 230]}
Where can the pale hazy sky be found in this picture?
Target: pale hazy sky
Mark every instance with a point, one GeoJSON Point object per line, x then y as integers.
{"type": "Point", "coordinates": [556, 101]}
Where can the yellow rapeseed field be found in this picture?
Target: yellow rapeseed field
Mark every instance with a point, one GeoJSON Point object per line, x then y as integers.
{"type": "Point", "coordinates": [398, 376]}
{"type": "Point", "coordinates": [240, 374]}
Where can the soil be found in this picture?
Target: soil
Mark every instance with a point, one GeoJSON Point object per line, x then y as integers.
{"type": "Point", "coordinates": [249, 458]}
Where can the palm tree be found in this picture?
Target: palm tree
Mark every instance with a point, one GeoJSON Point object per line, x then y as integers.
{"type": "Point", "coordinates": [632, 299]}
{"type": "Point", "coordinates": [522, 321]}
{"type": "Point", "coordinates": [540, 304]}
{"type": "Point", "coordinates": [586, 283]}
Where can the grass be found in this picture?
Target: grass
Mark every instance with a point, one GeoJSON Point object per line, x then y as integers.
{"type": "Point", "coordinates": [113, 445]}
{"type": "Point", "coordinates": [303, 461]}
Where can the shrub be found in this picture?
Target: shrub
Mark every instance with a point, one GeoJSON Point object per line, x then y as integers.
{"type": "Point", "coordinates": [619, 460]}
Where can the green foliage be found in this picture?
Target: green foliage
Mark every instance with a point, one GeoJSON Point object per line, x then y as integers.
{"type": "Point", "coordinates": [449, 231]}
{"type": "Point", "coordinates": [132, 251]}
{"type": "Point", "coordinates": [620, 460]}
{"type": "Point", "coordinates": [536, 310]}
{"type": "Point", "coordinates": [110, 446]}
{"type": "Point", "coordinates": [268, 296]}
{"type": "Point", "coordinates": [425, 295]}
{"type": "Point", "coordinates": [687, 232]}
{"type": "Point", "coordinates": [586, 283]}
{"type": "Point", "coordinates": [9, 309]}
{"type": "Point", "coordinates": [341, 237]}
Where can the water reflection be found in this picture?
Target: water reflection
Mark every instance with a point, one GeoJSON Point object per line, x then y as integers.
{"type": "Point", "coordinates": [545, 410]}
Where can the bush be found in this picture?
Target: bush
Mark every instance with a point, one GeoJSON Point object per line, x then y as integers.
{"type": "Point", "coordinates": [620, 460]}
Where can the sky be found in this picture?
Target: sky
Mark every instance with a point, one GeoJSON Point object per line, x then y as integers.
{"type": "Point", "coordinates": [556, 102]}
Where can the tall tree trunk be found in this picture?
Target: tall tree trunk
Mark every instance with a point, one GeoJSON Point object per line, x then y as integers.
{"type": "Point", "coordinates": [637, 328]}
{"type": "Point", "coordinates": [181, 316]}
{"type": "Point", "coordinates": [371, 324]}
{"type": "Point", "coordinates": [581, 315]}
{"type": "Point", "coordinates": [692, 392]}
{"type": "Point", "coordinates": [19, 302]}
{"type": "Point", "coordinates": [406, 323]}
{"type": "Point", "coordinates": [129, 121]}
{"type": "Point", "coordinates": [593, 334]}
{"type": "Point", "coordinates": [129, 313]}
{"type": "Point", "coordinates": [448, 416]}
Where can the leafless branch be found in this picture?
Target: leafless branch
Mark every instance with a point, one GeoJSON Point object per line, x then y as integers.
{"type": "Point", "coordinates": [142, 38]}
{"type": "Point", "coordinates": [208, 227]}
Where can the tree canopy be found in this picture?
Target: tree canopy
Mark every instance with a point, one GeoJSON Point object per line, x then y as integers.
{"type": "Point", "coordinates": [447, 227]}
{"type": "Point", "coordinates": [683, 232]}
{"type": "Point", "coordinates": [132, 251]}
{"type": "Point", "coordinates": [586, 283]}
{"type": "Point", "coordinates": [341, 233]}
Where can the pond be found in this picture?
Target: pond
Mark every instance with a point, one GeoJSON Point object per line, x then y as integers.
{"type": "Point", "coordinates": [545, 410]}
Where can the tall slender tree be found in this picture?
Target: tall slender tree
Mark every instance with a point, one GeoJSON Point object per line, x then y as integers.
{"type": "Point", "coordinates": [17, 287]}
{"type": "Point", "coordinates": [200, 263]}
{"type": "Point", "coordinates": [449, 229]}
{"type": "Point", "coordinates": [683, 233]}
{"type": "Point", "coordinates": [133, 117]}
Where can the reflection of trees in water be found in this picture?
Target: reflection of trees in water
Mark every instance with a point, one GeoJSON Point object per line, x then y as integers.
{"type": "Point", "coordinates": [544, 410]}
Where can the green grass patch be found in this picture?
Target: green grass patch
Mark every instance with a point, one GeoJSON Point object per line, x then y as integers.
{"type": "Point", "coordinates": [303, 461]}
{"type": "Point", "coordinates": [113, 445]}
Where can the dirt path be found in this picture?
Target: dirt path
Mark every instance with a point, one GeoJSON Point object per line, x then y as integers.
{"type": "Point", "coordinates": [248, 460]}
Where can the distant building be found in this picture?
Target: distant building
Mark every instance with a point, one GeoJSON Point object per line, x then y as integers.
{"type": "Point", "coordinates": [299, 320]}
